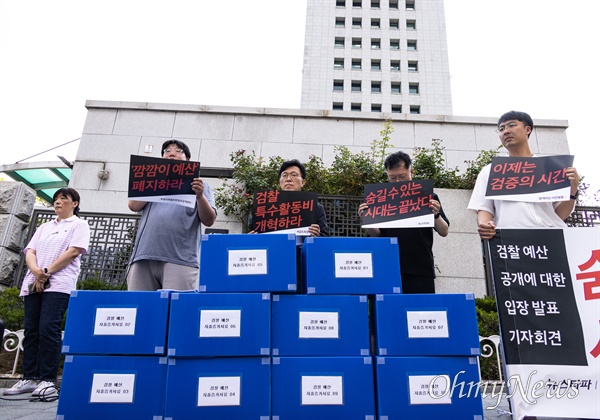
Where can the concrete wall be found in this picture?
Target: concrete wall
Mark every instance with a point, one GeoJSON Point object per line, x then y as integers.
{"type": "Point", "coordinates": [16, 205]}
{"type": "Point", "coordinates": [115, 130]}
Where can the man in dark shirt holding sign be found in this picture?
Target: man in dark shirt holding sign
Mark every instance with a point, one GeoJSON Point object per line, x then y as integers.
{"type": "Point", "coordinates": [415, 243]}
{"type": "Point", "coordinates": [166, 251]}
{"type": "Point", "coordinates": [514, 129]}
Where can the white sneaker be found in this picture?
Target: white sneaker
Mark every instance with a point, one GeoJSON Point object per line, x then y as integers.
{"type": "Point", "coordinates": [45, 389]}
{"type": "Point", "coordinates": [22, 387]}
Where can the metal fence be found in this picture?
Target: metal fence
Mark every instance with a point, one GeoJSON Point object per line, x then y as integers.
{"type": "Point", "coordinates": [113, 235]}
{"type": "Point", "coordinates": [111, 242]}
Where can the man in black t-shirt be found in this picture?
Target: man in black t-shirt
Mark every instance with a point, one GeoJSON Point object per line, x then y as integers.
{"type": "Point", "coordinates": [416, 255]}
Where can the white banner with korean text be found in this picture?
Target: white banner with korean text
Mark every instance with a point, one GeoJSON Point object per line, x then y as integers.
{"type": "Point", "coordinates": [547, 284]}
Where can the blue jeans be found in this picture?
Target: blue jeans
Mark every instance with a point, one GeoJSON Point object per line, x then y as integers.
{"type": "Point", "coordinates": [42, 343]}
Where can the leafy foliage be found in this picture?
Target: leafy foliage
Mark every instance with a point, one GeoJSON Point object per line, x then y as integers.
{"type": "Point", "coordinates": [488, 324]}
{"type": "Point", "coordinates": [430, 164]}
{"type": "Point", "coordinates": [347, 175]}
{"type": "Point", "coordinates": [96, 283]}
{"type": "Point", "coordinates": [11, 309]}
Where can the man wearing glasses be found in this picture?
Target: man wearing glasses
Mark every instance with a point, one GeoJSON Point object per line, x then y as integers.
{"type": "Point", "coordinates": [514, 129]}
{"type": "Point", "coordinates": [166, 251]}
{"type": "Point", "coordinates": [416, 244]}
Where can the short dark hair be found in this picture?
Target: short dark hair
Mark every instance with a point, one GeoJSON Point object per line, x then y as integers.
{"type": "Point", "coordinates": [517, 115]}
{"type": "Point", "coordinates": [179, 144]}
{"type": "Point", "coordinates": [395, 159]}
{"type": "Point", "coordinates": [290, 163]}
{"type": "Point", "coordinates": [72, 194]}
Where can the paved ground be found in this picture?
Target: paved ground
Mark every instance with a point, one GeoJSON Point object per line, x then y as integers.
{"type": "Point", "coordinates": [20, 407]}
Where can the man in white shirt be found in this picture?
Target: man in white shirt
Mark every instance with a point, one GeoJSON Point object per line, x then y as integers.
{"type": "Point", "coordinates": [514, 129]}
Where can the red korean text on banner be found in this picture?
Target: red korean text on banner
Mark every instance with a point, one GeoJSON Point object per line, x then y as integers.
{"type": "Point", "coordinates": [274, 210]}
{"type": "Point", "coordinates": [398, 204]}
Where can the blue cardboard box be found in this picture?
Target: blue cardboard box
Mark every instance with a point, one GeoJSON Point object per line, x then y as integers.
{"type": "Point", "coordinates": [346, 266]}
{"type": "Point", "coordinates": [320, 325]}
{"type": "Point", "coordinates": [112, 387]}
{"type": "Point", "coordinates": [248, 263]}
{"type": "Point", "coordinates": [324, 388]}
{"type": "Point", "coordinates": [426, 325]}
{"type": "Point", "coordinates": [219, 324]}
{"type": "Point", "coordinates": [219, 388]}
{"type": "Point", "coordinates": [428, 388]}
{"type": "Point", "coordinates": [115, 322]}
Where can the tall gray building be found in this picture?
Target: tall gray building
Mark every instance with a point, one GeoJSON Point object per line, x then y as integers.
{"type": "Point", "coordinates": [386, 56]}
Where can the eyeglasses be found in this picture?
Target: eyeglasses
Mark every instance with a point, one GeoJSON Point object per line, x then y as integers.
{"type": "Point", "coordinates": [398, 178]}
{"type": "Point", "coordinates": [293, 176]}
{"type": "Point", "coordinates": [501, 129]}
{"type": "Point", "coordinates": [178, 151]}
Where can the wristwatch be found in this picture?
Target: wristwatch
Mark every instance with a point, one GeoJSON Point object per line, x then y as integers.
{"type": "Point", "coordinates": [574, 197]}
{"type": "Point", "coordinates": [45, 271]}
{"type": "Point", "coordinates": [437, 216]}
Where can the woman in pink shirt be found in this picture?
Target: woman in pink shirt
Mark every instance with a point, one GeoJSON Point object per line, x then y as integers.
{"type": "Point", "coordinates": [52, 257]}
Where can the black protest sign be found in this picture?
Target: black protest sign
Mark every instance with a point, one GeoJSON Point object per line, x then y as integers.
{"type": "Point", "coordinates": [513, 178]}
{"type": "Point", "coordinates": [539, 320]}
{"type": "Point", "coordinates": [276, 210]}
{"type": "Point", "coordinates": [152, 177]}
{"type": "Point", "coordinates": [398, 204]}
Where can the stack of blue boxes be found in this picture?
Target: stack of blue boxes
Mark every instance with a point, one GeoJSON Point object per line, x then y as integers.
{"type": "Point", "coordinates": [251, 345]}
{"type": "Point", "coordinates": [426, 363]}
{"type": "Point", "coordinates": [115, 365]}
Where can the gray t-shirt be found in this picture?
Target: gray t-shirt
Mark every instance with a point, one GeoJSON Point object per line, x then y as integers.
{"type": "Point", "coordinates": [170, 233]}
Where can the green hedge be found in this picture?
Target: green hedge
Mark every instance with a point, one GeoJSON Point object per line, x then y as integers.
{"type": "Point", "coordinates": [487, 320]}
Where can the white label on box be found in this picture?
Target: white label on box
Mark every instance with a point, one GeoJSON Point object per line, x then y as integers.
{"type": "Point", "coordinates": [115, 321]}
{"type": "Point", "coordinates": [318, 325]}
{"type": "Point", "coordinates": [322, 390]}
{"type": "Point", "coordinates": [429, 389]}
{"type": "Point", "coordinates": [354, 265]}
{"type": "Point", "coordinates": [219, 391]}
{"type": "Point", "coordinates": [244, 262]}
{"type": "Point", "coordinates": [427, 324]}
{"type": "Point", "coordinates": [220, 323]}
{"type": "Point", "coordinates": [112, 388]}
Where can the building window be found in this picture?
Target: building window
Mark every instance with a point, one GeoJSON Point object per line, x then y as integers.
{"type": "Point", "coordinates": [395, 65]}
{"type": "Point", "coordinates": [375, 44]}
{"type": "Point", "coordinates": [394, 24]}
{"type": "Point", "coordinates": [394, 4]}
{"type": "Point", "coordinates": [396, 109]}
{"type": "Point", "coordinates": [415, 109]}
{"type": "Point", "coordinates": [338, 63]}
{"type": "Point", "coordinates": [411, 25]}
{"type": "Point", "coordinates": [396, 87]}
{"type": "Point", "coordinates": [376, 65]}
{"type": "Point", "coordinates": [355, 107]}
{"type": "Point", "coordinates": [340, 22]}
{"type": "Point", "coordinates": [376, 87]}
{"type": "Point", "coordinates": [340, 3]}
{"type": "Point", "coordinates": [338, 85]}
{"type": "Point", "coordinates": [411, 45]}
{"type": "Point", "coordinates": [394, 44]}
{"type": "Point", "coordinates": [339, 43]}
{"type": "Point", "coordinates": [413, 66]}
{"type": "Point", "coordinates": [356, 64]}
{"type": "Point", "coordinates": [356, 22]}
{"type": "Point", "coordinates": [413, 88]}
{"type": "Point", "coordinates": [356, 3]}
{"type": "Point", "coordinates": [375, 24]}
{"type": "Point", "coordinates": [374, 4]}
{"type": "Point", "coordinates": [338, 106]}
{"type": "Point", "coordinates": [410, 4]}
{"type": "Point", "coordinates": [356, 43]}
{"type": "Point", "coordinates": [356, 84]}
{"type": "Point", "coordinates": [375, 107]}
